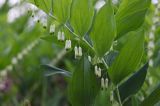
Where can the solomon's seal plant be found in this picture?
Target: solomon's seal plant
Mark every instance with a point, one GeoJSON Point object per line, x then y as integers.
{"type": "Point", "coordinates": [108, 42]}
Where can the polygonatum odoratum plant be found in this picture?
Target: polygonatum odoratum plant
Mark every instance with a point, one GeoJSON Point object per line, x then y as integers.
{"type": "Point", "coordinates": [107, 41]}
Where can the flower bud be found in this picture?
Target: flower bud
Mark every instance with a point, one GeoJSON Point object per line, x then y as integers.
{"type": "Point", "coordinates": [68, 44]}
{"type": "Point", "coordinates": [106, 83]}
{"type": "Point", "coordinates": [59, 36]}
{"type": "Point", "coordinates": [102, 83]}
{"type": "Point", "coordinates": [62, 36]}
{"type": "Point", "coordinates": [80, 52]}
{"type": "Point", "coordinates": [76, 51]}
{"type": "Point", "coordinates": [99, 72]}
{"type": "Point", "coordinates": [52, 29]}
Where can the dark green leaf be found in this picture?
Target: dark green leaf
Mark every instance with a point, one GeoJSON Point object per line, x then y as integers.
{"type": "Point", "coordinates": [104, 29]}
{"type": "Point", "coordinates": [50, 70]}
{"type": "Point", "coordinates": [131, 15]}
{"type": "Point", "coordinates": [84, 86]}
{"type": "Point", "coordinates": [133, 84]}
{"type": "Point", "coordinates": [129, 57]}
{"type": "Point", "coordinates": [110, 57]}
{"type": "Point", "coordinates": [153, 98]}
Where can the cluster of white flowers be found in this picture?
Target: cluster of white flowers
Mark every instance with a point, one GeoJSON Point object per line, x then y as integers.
{"type": "Point", "coordinates": [61, 36]}
{"type": "Point", "coordinates": [78, 52]}
{"type": "Point", "coordinates": [98, 71]}
{"type": "Point", "coordinates": [15, 60]}
{"type": "Point", "coordinates": [151, 44]}
{"type": "Point", "coordinates": [104, 83]}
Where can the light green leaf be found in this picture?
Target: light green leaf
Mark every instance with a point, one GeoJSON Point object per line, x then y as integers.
{"type": "Point", "coordinates": [153, 98]}
{"type": "Point", "coordinates": [45, 5]}
{"type": "Point", "coordinates": [82, 12]}
{"type": "Point", "coordinates": [104, 29]}
{"type": "Point", "coordinates": [131, 15]}
{"type": "Point", "coordinates": [61, 9]}
{"type": "Point", "coordinates": [84, 85]}
{"type": "Point", "coordinates": [129, 57]}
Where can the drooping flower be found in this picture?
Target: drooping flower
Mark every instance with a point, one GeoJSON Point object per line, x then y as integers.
{"type": "Point", "coordinates": [52, 28]}
{"type": "Point", "coordinates": [68, 44]}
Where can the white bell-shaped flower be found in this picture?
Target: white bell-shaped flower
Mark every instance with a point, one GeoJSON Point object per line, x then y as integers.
{"type": "Point", "coordinates": [52, 28]}
{"type": "Point", "coordinates": [62, 36]}
{"type": "Point", "coordinates": [59, 35]}
{"type": "Point", "coordinates": [80, 52]}
{"type": "Point", "coordinates": [76, 51]}
{"type": "Point", "coordinates": [99, 72]}
{"type": "Point", "coordinates": [106, 83]}
{"type": "Point", "coordinates": [96, 70]}
{"type": "Point", "coordinates": [68, 44]}
{"type": "Point", "coordinates": [102, 83]}
{"type": "Point", "coordinates": [89, 59]}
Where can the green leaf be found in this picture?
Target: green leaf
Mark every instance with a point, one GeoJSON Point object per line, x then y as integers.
{"type": "Point", "coordinates": [153, 98]}
{"type": "Point", "coordinates": [133, 84]}
{"type": "Point", "coordinates": [133, 101]}
{"type": "Point", "coordinates": [50, 70]}
{"type": "Point", "coordinates": [104, 29]}
{"type": "Point", "coordinates": [103, 98]}
{"type": "Point", "coordinates": [131, 15]}
{"type": "Point", "coordinates": [82, 12]}
{"type": "Point", "coordinates": [84, 86]}
{"type": "Point", "coordinates": [61, 9]}
{"type": "Point", "coordinates": [129, 57]}
{"type": "Point", "coordinates": [45, 5]}
{"type": "Point", "coordinates": [110, 57]}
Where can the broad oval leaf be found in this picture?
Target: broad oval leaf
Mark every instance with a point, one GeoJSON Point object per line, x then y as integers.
{"type": "Point", "coordinates": [61, 9]}
{"type": "Point", "coordinates": [84, 86]}
{"type": "Point", "coordinates": [82, 12]}
{"type": "Point", "coordinates": [131, 15]}
{"type": "Point", "coordinates": [104, 29]}
{"type": "Point", "coordinates": [51, 70]}
{"type": "Point", "coordinates": [129, 57]}
{"type": "Point", "coordinates": [133, 84]}
{"type": "Point", "coordinates": [153, 98]}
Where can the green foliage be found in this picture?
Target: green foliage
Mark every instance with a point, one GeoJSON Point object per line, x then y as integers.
{"type": "Point", "coordinates": [129, 57]}
{"type": "Point", "coordinates": [133, 84]}
{"type": "Point", "coordinates": [45, 5]}
{"type": "Point", "coordinates": [153, 98]}
{"type": "Point", "coordinates": [131, 15]}
{"type": "Point", "coordinates": [84, 86]}
{"type": "Point", "coordinates": [54, 70]}
{"type": "Point", "coordinates": [82, 12]}
{"type": "Point", "coordinates": [63, 6]}
{"type": "Point", "coordinates": [104, 27]}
